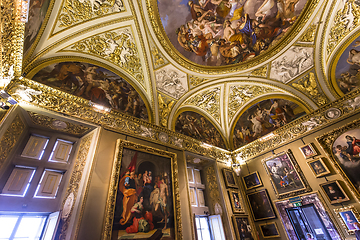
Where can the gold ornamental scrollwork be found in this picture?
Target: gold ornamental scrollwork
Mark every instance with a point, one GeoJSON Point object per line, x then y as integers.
{"type": "Point", "coordinates": [195, 81]}
{"type": "Point", "coordinates": [260, 72]}
{"type": "Point", "coordinates": [209, 101]}
{"type": "Point", "coordinates": [212, 185]}
{"type": "Point", "coordinates": [310, 87]}
{"type": "Point", "coordinates": [158, 59]}
{"type": "Point", "coordinates": [309, 35]}
{"type": "Point", "coordinates": [10, 138]}
{"type": "Point", "coordinates": [165, 106]}
{"type": "Point", "coordinates": [116, 46]}
{"type": "Point", "coordinates": [347, 18]}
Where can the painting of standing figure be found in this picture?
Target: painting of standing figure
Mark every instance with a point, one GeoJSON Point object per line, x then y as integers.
{"type": "Point", "coordinates": [144, 199]}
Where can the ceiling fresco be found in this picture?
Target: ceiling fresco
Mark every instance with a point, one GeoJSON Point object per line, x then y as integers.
{"type": "Point", "coordinates": [347, 70]}
{"type": "Point", "coordinates": [223, 32]}
{"type": "Point", "coordinates": [197, 126]}
{"type": "Point", "coordinates": [94, 83]}
{"type": "Point", "coordinates": [263, 118]}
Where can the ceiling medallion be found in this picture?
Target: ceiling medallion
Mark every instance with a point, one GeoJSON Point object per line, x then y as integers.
{"type": "Point", "coordinates": [201, 35]}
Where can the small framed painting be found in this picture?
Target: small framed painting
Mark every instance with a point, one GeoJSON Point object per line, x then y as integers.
{"type": "Point", "coordinates": [261, 207]}
{"type": "Point", "coordinates": [318, 167]}
{"type": "Point", "coordinates": [269, 230]}
{"type": "Point", "coordinates": [230, 178]}
{"type": "Point", "coordinates": [242, 227]}
{"type": "Point", "coordinates": [236, 203]}
{"type": "Point", "coordinates": [252, 180]}
{"type": "Point", "coordinates": [309, 150]}
{"type": "Point", "coordinates": [334, 192]}
{"type": "Point", "coordinates": [349, 217]}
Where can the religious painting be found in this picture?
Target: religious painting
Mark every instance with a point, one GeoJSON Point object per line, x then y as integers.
{"type": "Point", "coordinates": [36, 16]}
{"type": "Point", "coordinates": [252, 180]}
{"type": "Point", "coordinates": [96, 84]}
{"type": "Point", "coordinates": [285, 175]}
{"type": "Point", "coordinates": [230, 178]}
{"type": "Point", "coordinates": [342, 147]}
{"type": "Point", "coordinates": [223, 32]}
{"type": "Point", "coordinates": [269, 230]}
{"type": "Point", "coordinates": [143, 197]}
{"type": "Point", "coordinates": [347, 72]}
{"type": "Point", "coordinates": [334, 192]}
{"type": "Point", "coordinates": [196, 126]}
{"type": "Point", "coordinates": [349, 217]}
{"type": "Point", "coordinates": [236, 203]}
{"type": "Point", "coordinates": [263, 118]}
{"type": "Point", "coordinates": [318, 167]}
{"type": "Point", "coordinates": [242, 227]}
{"type": "Point", "coordinates": [308, 150]}
{"type": "Point", "coordinates": [260, 204]}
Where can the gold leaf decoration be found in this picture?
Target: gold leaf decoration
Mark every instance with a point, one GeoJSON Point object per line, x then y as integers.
{"type": "Point", "coordinates": [209, 101]}
{"type": "Point", "coordinates": [239, 95]}
{"type": "Point", "coordinates": [309, 86]}
{"type": "Point", "coordinates": [117, 46]}
{"type": "Point", "coordinates": [309, 35]}
{"type": "Point", "coordinates": [194, 81]}
{"type": "Point", "coordinates": [347, 18]}
{"type": "Point", "coordinates": [260, 72]}
{"type": "Point", "coordinates": [158, 59]}
{"type": "Point", "coordinates": [165, 105]}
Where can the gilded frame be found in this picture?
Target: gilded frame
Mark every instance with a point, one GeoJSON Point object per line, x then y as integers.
{"type": "Point", "coordinates": [309, 147]}
{"type": "Point", "coordinates": [114, 181]}
{"type": "Point", "coordinates": [344, 210]}
{"type": "Point", "coordinates": [256, 173]}
{"type": "Point", "coordinates": [249, 225]}
{"type": "Point", "coordinates": [340, 190]}
{"type": "Point", "coordinates": [261, 200]}
{"type": "Point", "coordinates": [295, 172]}
{"type": "Point", "coordinates": [319, 174]}
{"type": "Point", "coordinates": [267, 224]}
{"type": "Point", "coordinates": [326, 142]}
{"type": "Point", "coordinates": [235, 209]}
{"type": "Point", "coordinates": [229, 183]}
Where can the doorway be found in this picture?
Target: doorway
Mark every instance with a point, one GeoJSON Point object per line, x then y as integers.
{"type": "Point", "coordinates": [307, 223]}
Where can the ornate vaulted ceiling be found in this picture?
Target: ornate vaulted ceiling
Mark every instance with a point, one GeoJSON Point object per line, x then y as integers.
{"type": "Point", "coordinates": [118, 54]}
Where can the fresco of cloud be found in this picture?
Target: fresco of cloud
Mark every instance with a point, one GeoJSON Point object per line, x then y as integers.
{"type": "Point", "coordinates": [196, 126]}
{"type": "Point", "coordinates": [94, 83]}
{"type": "Point", "coordinates": [222, 32]}
{"type": "Point", "coordinates": [263, 118]}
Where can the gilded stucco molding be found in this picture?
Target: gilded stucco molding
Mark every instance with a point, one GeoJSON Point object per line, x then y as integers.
{"type": "Point", "coordinates": [208, 100]}
{"type": "Point", "coordinates": [212, 186]}
{"type": "Point", "coordinates": [326, 115]}
{"type": "Point", "coordinates": [58, 101]}
{"type": "Point", "coordinates": [157, 28]}
{"type": "Point", "coordinates": [58, 125]}
{"type": "Point", "coordinates": [195, 81]}
{"type": "Point", "coordinates": [165, 106]}
{"type": "Point", "coordinates": [10, 138]}
{"type": "Point", "coordinates": [347, 18]}
{"type": "Point", "coordinates": [116, 46]}
{"type": "Point", "coordinates": [73, 187]}
{"type": "Point", "coordinates": [240, 95]}
{"type": "Point", "coordinates": [260, 72]}
{"type": "Point", "coordinates": [309, 85]}
{"type": "Point", "coordinates": [74, 12]}
{"type": "Point", "coordinates": [2, 114]}
{"type": "Point", "coordinates": [158, 59]}
{"type": "Point", "coordinates": [309, 35]}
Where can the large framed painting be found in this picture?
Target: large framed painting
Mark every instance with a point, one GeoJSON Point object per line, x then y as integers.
{"type": "Point", "coordinates": [242, 227]}
{"type": "Point", "coordinates": [230, 178]}
{"type": "Point", "coordinates": [252, 180]}
{"type": "Point", "coordinates": [236, 202]}
{"type": "Point", "coordinates": [261, 207]}
{"type": "Point", "coordinates": [285, 175]}
{"type": "Point", "coordinates": [349, 218]}
{"type": "Point", "coordinates": [143, 199]}
{"type": "Point", "coordinates": [342, 147]}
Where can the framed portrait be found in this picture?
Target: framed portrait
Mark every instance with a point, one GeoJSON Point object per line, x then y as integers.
{"type": "Point", "coordinates": [309, 150]}
{"type": "Point", "coordinates": [242, 227]}
{"type": "Point", "coordinates": [230, 178]}
{"type": "Point", "coordinates": [318, 167]}
{"type": "Point", "coordinates": [285, 175]}
{"type": "Point", "coordinates": [349, 218]}
{"type": "Point", "coordinates": [252, 180]}
{"type": "Point", "coordinates": [269, 230]}
{"type": "Point", "coordinates": [261, 206]}
{"type": "Point", "coordinates": [334, 192]}
{"type": "Point", "coordinates": [236, 202]}
{"type": "Point", "coordinates": [341, 146]}
{"type": "Point", "coordinates": [143, 198]}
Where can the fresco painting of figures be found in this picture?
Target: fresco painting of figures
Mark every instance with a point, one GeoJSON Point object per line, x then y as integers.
{"type": "Point", "coordinates": [94, 83]}
{"type": "Point", "coordinates": [222, 32]}
{"type": "Point", "coordinates": [196, 126]}
{"type": "Point", "coordinates": [347, 71]}
{"type": "Point", "coordinates": [263, 118]}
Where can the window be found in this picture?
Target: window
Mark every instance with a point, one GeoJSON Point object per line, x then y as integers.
{"type": "Point", "coordinates": [19, 181]}
{"type": "Point", "coordinates": [49, 184]}
{"type": "Point", "coordinates": [202, 228]}
{"type": "Point", "coordinates": [209, 228]}
{"type": "Point", "coordinates": [197, 197]}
